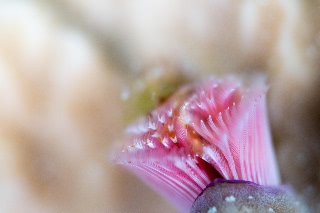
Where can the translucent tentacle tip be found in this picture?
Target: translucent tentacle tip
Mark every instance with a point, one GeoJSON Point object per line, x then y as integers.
{"type": "Point", "coordinates": [244, 196]}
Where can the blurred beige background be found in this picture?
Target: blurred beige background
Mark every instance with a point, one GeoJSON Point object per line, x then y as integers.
{"type": "Point", "coordinates": [66, 67]}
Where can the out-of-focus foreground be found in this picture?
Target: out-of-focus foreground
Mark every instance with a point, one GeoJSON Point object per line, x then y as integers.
{"type": "Point", "coordinates": [67, 66]}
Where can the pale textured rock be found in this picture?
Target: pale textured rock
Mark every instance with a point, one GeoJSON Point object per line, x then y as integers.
{"type": "Point", "coordinates": [56, 97]}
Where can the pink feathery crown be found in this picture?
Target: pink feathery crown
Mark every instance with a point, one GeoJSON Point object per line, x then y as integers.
{"type": "Point", "coordinates": [216, 128]}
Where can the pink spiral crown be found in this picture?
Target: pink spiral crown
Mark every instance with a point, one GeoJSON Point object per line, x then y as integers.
{"type": "Point", "coordinates": [217, 128]}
